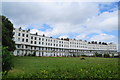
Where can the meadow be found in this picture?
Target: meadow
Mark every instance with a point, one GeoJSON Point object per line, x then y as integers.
{"type": "Point", "coordinates": [63, 67]}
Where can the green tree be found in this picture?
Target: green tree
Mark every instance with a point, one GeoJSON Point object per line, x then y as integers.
{"type": "Point", "coordinates": [7, 34]}
{"type": "Point", "coordinates": [8, 45]}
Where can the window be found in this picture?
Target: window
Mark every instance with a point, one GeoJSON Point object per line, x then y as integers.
{"type": "Point", "coordinates": [35, 38]}
{"type": "Point", "coordinates": [42, 39]}
{"type": "Point", "coordinates": [26, 40]}
{"type": "Point", "coordinates": [46, 39]}
{"type": "Point", "coordinates": [31, 42]}
{"type": "Point", "coordinates": [18, 39]}
{"type": "Point", "coordinates": [39, 38]}
{"type": "Point", "coordinates": [17, 51]}
{"type": "Point", "coordinates": [13, 33]}
{"type": "Point", "coordinates": [60, 45]}
{"type": "Point", "coordinates": [35, 42]}
{"type": "Point", "coordinates": [26, 35]}
{"type": "Point", "coordinates": [42, 43]}
{"type": "Point", "coordinates": [18, 34]}
{"type": "Point", "coordinates": [22, 46]}
{"type": "Point", "coordinates": [23, 35]}
{"type": "Point", "coordinates": [31, 37]}
{"type": "Point", "coordinates": [22, 40]}
{"type": "Point", "coordinates": [39, 48]}
{"type": "Point", "coordinates": [48, 43]}
{"type": "Point", "coordinates": [39, 43]}
{"type": "Point", "coordinates": [18, 46]}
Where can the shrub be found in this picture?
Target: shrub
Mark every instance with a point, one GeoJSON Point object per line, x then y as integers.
{"type": "Point", "coordinates": [106, 55]}
{"type": "Point", "coordinates": [6, 59]}
{"type": "Point", "coordinates": [84, 55]}
{"type": "Point", "coordinates": [98, 55]}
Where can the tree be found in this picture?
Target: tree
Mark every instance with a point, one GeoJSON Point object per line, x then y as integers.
{"type": "Point", "coordinates": [7, 34]}
{"type": "Point", "coordinates": [8, 45]}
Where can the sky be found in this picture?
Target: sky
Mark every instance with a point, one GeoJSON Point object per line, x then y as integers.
{"type": "Point", "coordinates": [91, 21]}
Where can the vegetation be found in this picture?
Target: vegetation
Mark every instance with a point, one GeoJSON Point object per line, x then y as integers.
{"type": "Point", "coordinates": [106, 55]}
{"type": "Point", "coordinates": [7, 34]}
{"type": "Point", "coordinates": [62, 67]}
{"type": "Point", "coordinates": [7, 59]}
{"type": "Point", "coordinates": [98, 55]}
{"type": "Point", "coordinates": [8, 45]}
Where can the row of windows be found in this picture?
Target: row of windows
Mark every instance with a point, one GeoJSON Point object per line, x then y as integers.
{"type": "Point", "coordinates": [23, 40]}
{"type": "Point", "coordinates": [49, 44]}
{"type": "Point", "coordinates": [35, 38]}
{"type": "Point", "coordinates": [48, 40]}
{"type": "Point", "coordinates": [23, 35]}
{"type": "Point", "coordinates": [77, 43]}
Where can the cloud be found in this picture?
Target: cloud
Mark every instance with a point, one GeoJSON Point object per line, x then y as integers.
{"type": "Point", "coordinates": [63, 18]}
{"type": "Point", "coordinates": [82, 37]}
{"type": "Point", "coordinates": [64, 36]}
{"type": "Point", "coordinates": [60, 0]}
{"type": "Point", "coordinates": [102, 37]}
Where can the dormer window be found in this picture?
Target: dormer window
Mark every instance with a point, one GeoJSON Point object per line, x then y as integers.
{"type": "Point", "coordinates": [20, 29]}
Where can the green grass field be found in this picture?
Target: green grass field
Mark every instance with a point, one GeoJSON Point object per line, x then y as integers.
{"type": "Point", "coordinates": [62, 67]}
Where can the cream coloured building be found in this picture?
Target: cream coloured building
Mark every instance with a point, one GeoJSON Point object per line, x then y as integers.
{"type": "Point", "coordinates": [40, 45]}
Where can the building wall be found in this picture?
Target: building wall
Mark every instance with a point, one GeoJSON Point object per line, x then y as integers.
{"type": "Point", "coordinates": [27, 43]}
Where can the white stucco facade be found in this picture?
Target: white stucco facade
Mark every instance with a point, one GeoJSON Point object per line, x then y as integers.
{"type": "Point", "coordinates": [40, 45]}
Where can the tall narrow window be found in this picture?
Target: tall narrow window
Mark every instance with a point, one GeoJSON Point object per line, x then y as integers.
{"type": "Point", "coordinates": [18, 39]}
{"type": "Point", "coordinates": [18, 34]}
{"type": "Point", "coordinates": [31, 37]}
{"type": "Point", "coordinates": [22, 40]}
{"type": "Point", "coordinates": [26, 40]}
{"type": "Point", "coordinates": [26, 35]}
{"type": "Point", "coordinates": [23, 35]}
{"type": "Point", "coordinates": [35, 38]}
{"type": "Point", "coordinates": [35, 42]}
{"type": "Point", "coordinates": [13, 33]}
{"type": "Point", "coordinates": [42, 43]}
{"type": "Point", "coordinates": [17, 51]}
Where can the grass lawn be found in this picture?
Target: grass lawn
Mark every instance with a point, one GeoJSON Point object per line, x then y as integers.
{"type": "Point", "coordinates": [62, 67]}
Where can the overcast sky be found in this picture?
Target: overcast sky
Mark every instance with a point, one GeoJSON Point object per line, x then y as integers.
{"type": "Point", "coordinates": [91, 21]}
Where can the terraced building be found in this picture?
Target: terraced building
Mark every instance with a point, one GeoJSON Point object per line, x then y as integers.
{"type": "Point", "coordinates": [40, 45]}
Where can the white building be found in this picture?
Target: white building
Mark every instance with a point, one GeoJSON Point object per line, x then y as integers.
{"type": "Point", "coordinates": [40, 45]}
